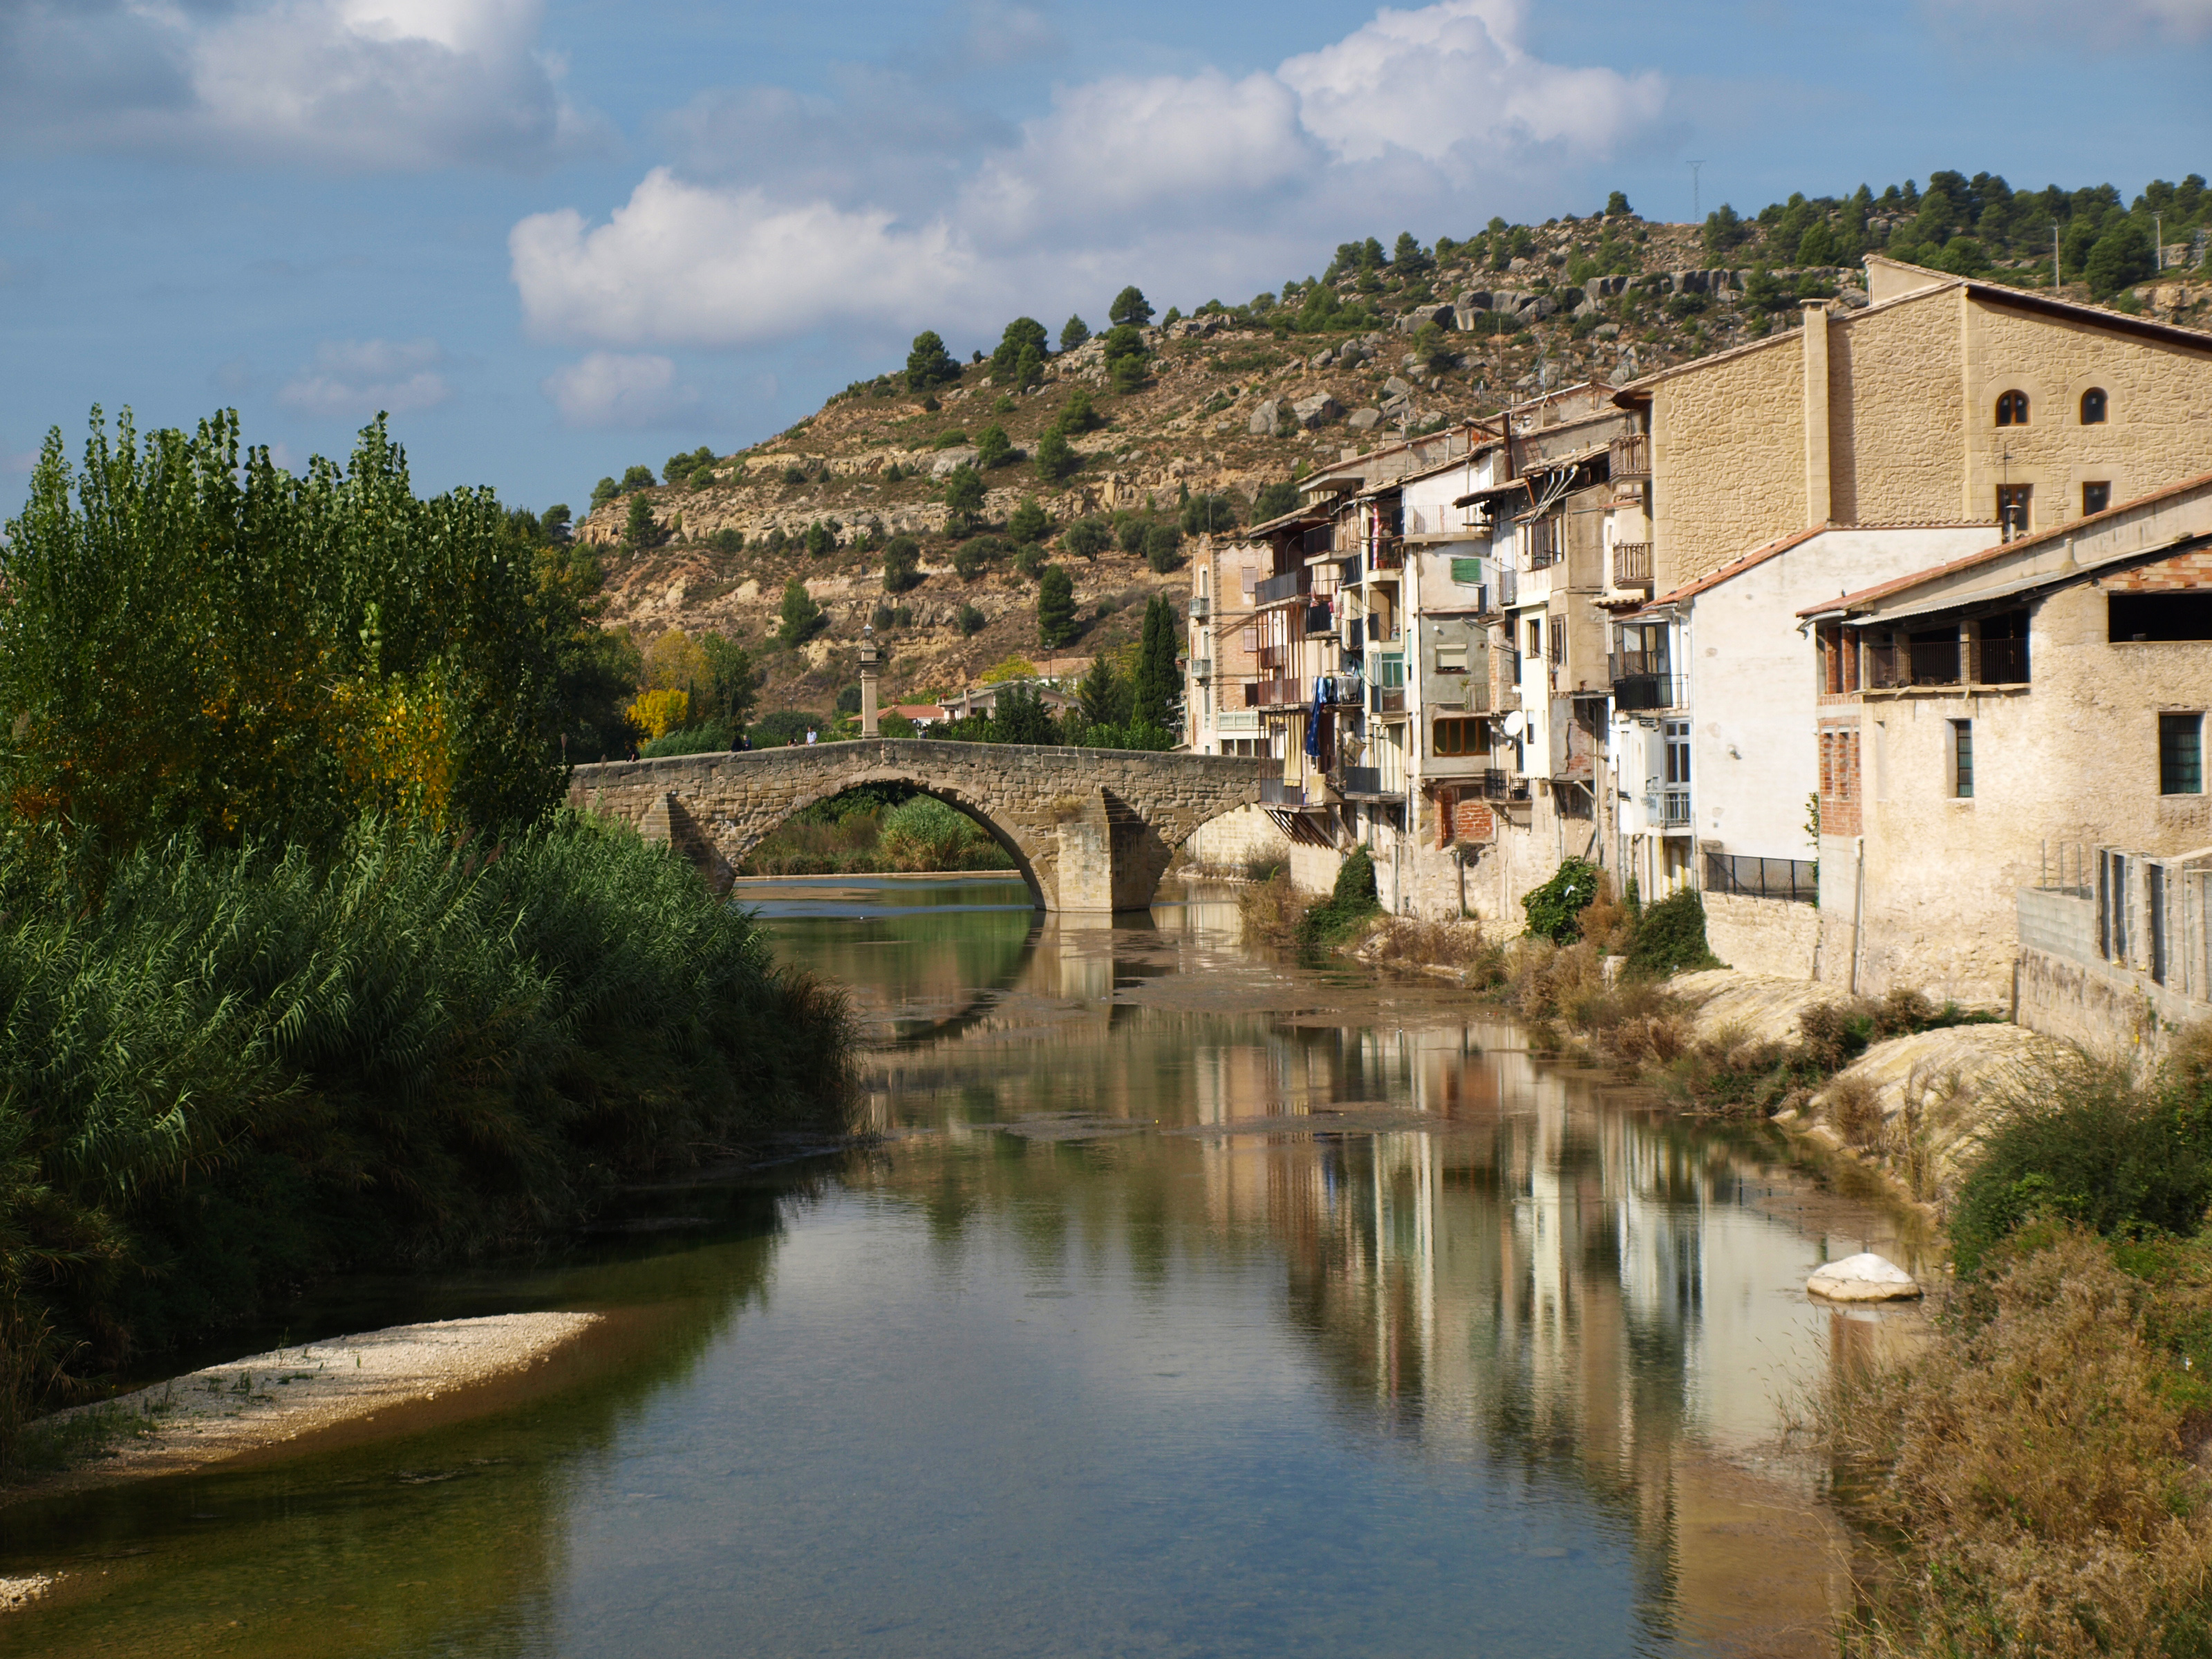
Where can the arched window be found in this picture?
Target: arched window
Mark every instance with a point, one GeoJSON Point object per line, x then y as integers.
{"type": "Point", "coordinates": [2092, 406]}
{"type": "Point", "coordinates": [2012, 408]}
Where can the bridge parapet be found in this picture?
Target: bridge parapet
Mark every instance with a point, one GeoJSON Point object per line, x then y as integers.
{"type": "Point", "coordinates": [1091, 829]}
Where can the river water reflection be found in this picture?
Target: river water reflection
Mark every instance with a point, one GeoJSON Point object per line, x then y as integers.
{"type": "Point", "coordinates": [1192, 1303]}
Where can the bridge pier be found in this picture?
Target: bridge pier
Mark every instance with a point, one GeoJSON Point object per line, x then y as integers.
{"type": "Point", "coordinates": [1092, 830]}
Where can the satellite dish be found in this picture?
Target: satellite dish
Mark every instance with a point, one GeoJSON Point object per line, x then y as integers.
{"type": "Point", "coordinates": [1513, 723]}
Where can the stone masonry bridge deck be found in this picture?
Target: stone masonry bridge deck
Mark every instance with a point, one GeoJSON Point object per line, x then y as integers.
{"type": "Point", "coordinates": [1091, 829]}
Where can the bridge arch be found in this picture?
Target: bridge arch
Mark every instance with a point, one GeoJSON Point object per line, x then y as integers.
{"type": "Point", "coordinates": [1089, 829]}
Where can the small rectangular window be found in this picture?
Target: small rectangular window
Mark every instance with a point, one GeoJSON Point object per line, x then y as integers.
{"type": "Point", "coordinates": [1536, 638]}
{"type": "Point", "coordinates": [1451, 658]}
{"type": "Point", "coordinates": [2181, 754]}
{"type": "Point", "coordinates": [1462, 737]}
{"type": "Point", "coordinates": [1962, 759]}
{"type": "Point", "coordinates": [2167, 617]}
{"type": "Point", "coordinates": [2095, 498]}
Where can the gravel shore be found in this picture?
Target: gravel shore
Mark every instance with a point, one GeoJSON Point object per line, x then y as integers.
{"type": "Point", "coordinates": [265, 1400]}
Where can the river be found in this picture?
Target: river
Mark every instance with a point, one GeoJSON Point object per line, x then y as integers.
{"type": "Point", "coordinates": [1193, 1302]}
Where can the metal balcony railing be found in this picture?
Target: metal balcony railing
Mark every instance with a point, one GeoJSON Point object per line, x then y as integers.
{"type": "Point", "coordinates": [1320, 620]}
{"type": "Point", "coordinates": [1290, 584]}
{"type": "Point", "coordinates": [1387, 699]}
{"type": "Point", "coordinates": [1674, 806]}
{"type": "Point", "coordinates": [1202, 667]}
{"type": "Point", "coordinates": [1796, 880]}
{"type": "Point", "coordinates": [1640, 680]}
{"type": "Point", "coordinates": [1321, 539]}
{"type": "Point", "coordinates": [2001, 662]}
{"type": "Point", "coordinates": [1631, 564]}
{"type": "Point", "coordinates": [1907, 660]}
{"type": "Point", "coordinates": [1348, 572]}
{"type": "Point", "coordinates": [1389, 557]}
{"type": "Point", "coordinates": [1540, 539]}
{"type": "Point", "coordinates": [1199, 608]}
{"type": "Point", "coordinates": [1274, 792]}
{"type": "Point", "coordinates": [1495, 783]}
{"type": "Point", "coordinates": [1277, 694]}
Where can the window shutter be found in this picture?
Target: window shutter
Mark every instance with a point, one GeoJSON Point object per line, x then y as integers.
{"type": "Point", "coordinates": [1466, 573]}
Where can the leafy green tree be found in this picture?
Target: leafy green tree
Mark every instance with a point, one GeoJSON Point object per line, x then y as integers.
{"type": "Point", "coordinates": [323, 646]}
{"type": "Point", "coordinates": [640, 530]}
{"type": "Point", "coordinates": [603, 492]}
{"type": "Point", "coordinates": [734, 681]}
{"type": "Point", "coordinates": [1159, 682]}
{"type": "Point", "coordinates": [992, 447]}
{"type": "Point", "coordinates": [1274, 499]}
{"type": "Point", "coordinates": [1208, 514]}
{"type": "Point", "coordinates": [2121, 259]}
{"type": "Point", "coordinates": [1088, 538]}
{"type": "Point", "coordinates": [902, 564]}
{"type": "Point", "coordinates": [637, 477]}
{"type": "Point", "coordinates": [1072, 333]}
{"type": "Point", "coordinates": [929, 364]}
{"type": "Point", "coordinates": [1055, 457]}
{"type": "Point", "coordinates": [596, 669]}
{"type": "Point", "coordinates": [693, 468]}
{"type": "Point", "coordinates": [1616, 205]}
{"type": "Point", "coordinates": [1028, 522]}
{"type": "Point", "coordinates": [820, 539]}
{"type": "Point", "coordinates": [1055, 607]}
{"type": "Point", "coordinates": [801, 618]}
{"type": "Point", "coordinates": [1162, 548]}
{"type": "Point", "coordinates": [1131, 531]}
{"type": "Point", "coordinates": [1371, 256]}
{"type": "Point", "coordinates": [1028, 561]}
{"type": "Point", "coordinates": [1023, 334]}
{"type": "Point", "coordinates": [963, 499]}
{"type": "Point", "coordinates": [1130, 308]}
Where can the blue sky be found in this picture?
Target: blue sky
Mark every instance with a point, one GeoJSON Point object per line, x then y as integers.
{"type": "Point", "coordinates": [554, 237]}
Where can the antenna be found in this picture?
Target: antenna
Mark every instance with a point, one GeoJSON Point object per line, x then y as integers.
{"type": "Point", "coordinates": [1697, 208]}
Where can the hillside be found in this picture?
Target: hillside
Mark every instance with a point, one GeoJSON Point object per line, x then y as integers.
{"type": "Point", "coordinates": [1228, 401]}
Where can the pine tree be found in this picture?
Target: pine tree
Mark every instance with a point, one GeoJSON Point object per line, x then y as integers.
{"type": "Point", "coordinates": [802, 617]}
{"type": "Point", "coordinates": [929, 364]}
{"type": "Point", "coordinates": [1130, 308]}
{"type": "Point", "coordinates": [1055, 607]}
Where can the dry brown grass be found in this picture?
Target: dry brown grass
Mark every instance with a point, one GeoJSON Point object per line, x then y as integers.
{"type": "Point", "coordinates": [2024, 1482]}
{"type": "Point", "coordinates": [1401, 939]}
{"type": "Point", "coordinates": [1855, 1111]}
{"type": "Point", "coordinates": [1273, 909]}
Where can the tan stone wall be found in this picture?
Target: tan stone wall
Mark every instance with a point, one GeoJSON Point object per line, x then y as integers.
{"type": "Point", "coordinates": [2071, 759]}
{"type": "Point", "coordinates": [1727, 457]}
{"type": "Point", "coordinates": [1895, 425]}
{"type": "Point", "coordinates": [1763, 936]}
{"type": "Point", "coordinates": [1234, 839]}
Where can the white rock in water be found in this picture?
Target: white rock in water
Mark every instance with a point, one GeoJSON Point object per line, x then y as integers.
{"type": "Point", "coordinates": [1866, 1278]}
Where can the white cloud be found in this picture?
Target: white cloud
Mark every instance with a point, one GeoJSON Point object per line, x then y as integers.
{"type": "Point", "coordinates": [725, 267]}
{"type": "Point", "coordinates": [401, 85]}
{"type": "Point", "coordinates": [356, 378]}
{"type": "Point", "coordinates": [778, 227]}
{"type": "Point", "coordinates": [615, 389]}
{"type": "Point", "coordinates": [1429, 81]}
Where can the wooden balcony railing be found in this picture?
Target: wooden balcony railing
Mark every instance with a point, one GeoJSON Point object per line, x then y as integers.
{"type": "Point", "coordinates": [1631, 564]}
{"type": "Point", "coordinates": [1540, 539]}
{"type": "Point", "coordinates": [1276, 694]}
{"type": "Point", "coordinates": [1632, 456]}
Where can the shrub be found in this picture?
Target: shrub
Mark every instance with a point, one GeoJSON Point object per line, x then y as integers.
{"type": "Point", "coordinates": [1274, 911]}
{"type": "Point", "coordinates": [706, 738]}
{"type": "Point", "coordinates": [1555, 909]}
{"type": "Point", "coordinates": [636, 478]}
{"type": "Point", "coordinates": [1671, 937]}
{"type": "Point", "coordinates": [973, 557]}
{"type": "Point", "coordinates": [821, 539]}
{"type": "Point", "coordinates": [1076, 414]}
{"type": "Point", "coordinates": [1028, 561]}
{"type": "Point", "coordinates": [1274, 499]}
{"type": "Point", "coordinates": [992, 447]}
{"type": "Point", "coordinates": [1350, 902]}
{"type": "Point", "coordinates": [796, 474]}
{"type": "Point", "coordinates": [727, 541]}
{"type": "Point", "coordinates": [925, 834]}
{"type": "Point", "coordinates": [968, 620]}
{"type": "Point", "coordinates": [1028, 522]}
{"type": "Point", "coordinates": [951, 438]}
{"type": "Point", "coordinates": [800, 618]}
{"type": "Point", "coordinates": [1055, 458]}
{"type": "Point", "coordinates": [1162, 548]}
{"type": "Point", "coordinates": [1088, 538]}
{"type": "Point", "coordinates": [2088, 1146]}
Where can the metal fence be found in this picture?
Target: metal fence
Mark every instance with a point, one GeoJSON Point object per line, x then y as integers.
{"type": "Point", "coordinates": [1797, 880]}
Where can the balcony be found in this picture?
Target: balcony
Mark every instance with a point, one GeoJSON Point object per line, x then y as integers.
{"type": "Point", "coordinates": [1320, 539]}
{"type": "Point", "coordinates": [1348, 572]}
{"type": "Point", "coordinates": [1276, 694]}
{"type": "Point", "coordinates": [1200, 607]}
{"type": "Point", "coordinates": [1319, 620]}
{"type": "Point", "coordinates": [1355, 636]}
{"type": "Point", "coordinates": [1290, 584]}
{"type": "Point", "coordinates": [1797, 881]}
{"type": "Point", "coordinates": [1674, 806]}
{"type": "Point", "coordinates": [1274, 792]}
{"type": "Point", "coordinates": [1497, 784]}
{"type": "Point", "coordinates": [1631, 564]}
{"type": "Point", "coordinates": [1632, 456]}
{"type": "Point", "coordinates": [1387, 559]}
{"type": "Point", "coordinates": [1367, 781]}
{"type": "Point", "coordinates": [1640, 680]}
{"type": "Point", "coordinates": [1344, 690]}
{"type": "Point", "coordinates": [1541, 542]}
{"type": "Point", "coordinates": [1201, 668]}
{"type": "Point", "coordinates": [1387, 699]}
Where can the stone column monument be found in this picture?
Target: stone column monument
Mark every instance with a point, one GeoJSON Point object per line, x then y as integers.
{"type": "Point", "coordinates": [868, 683]}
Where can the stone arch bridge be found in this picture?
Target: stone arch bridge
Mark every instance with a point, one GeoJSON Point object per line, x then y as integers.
{"type": "Point", "coordinates": [1091, 829]}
